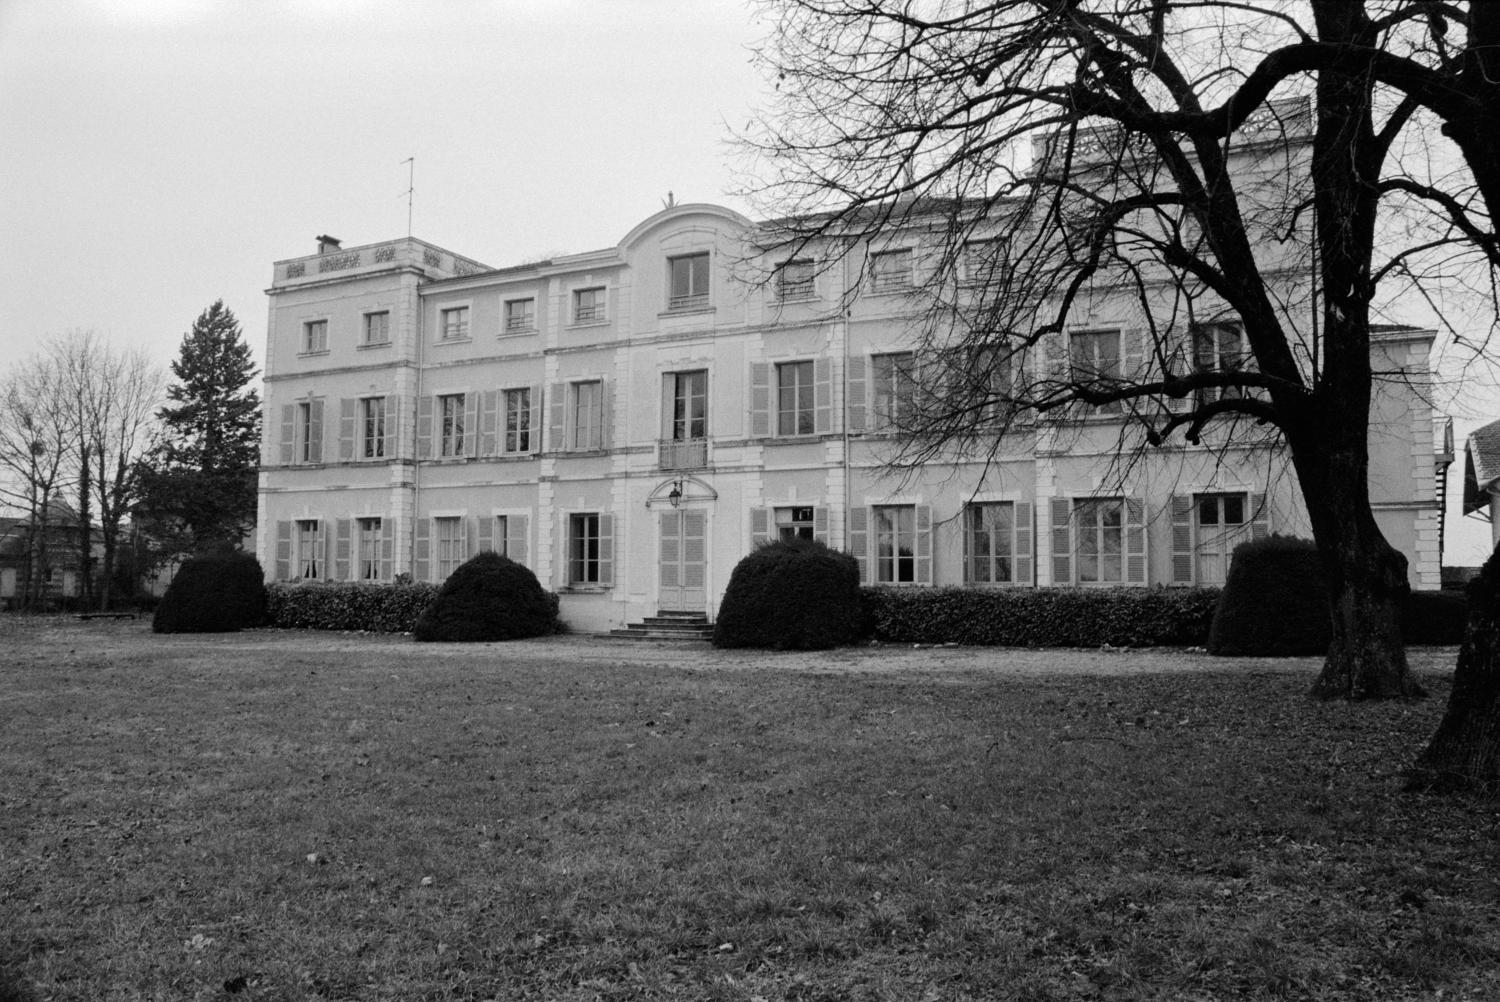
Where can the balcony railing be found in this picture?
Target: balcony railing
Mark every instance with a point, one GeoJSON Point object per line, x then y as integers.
{"type": "Point", "coordinates": [683, 454]}
{"type": "Point", "coordinates": [689, 301]}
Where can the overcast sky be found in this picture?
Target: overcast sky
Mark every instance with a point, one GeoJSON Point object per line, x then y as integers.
{"type": "Point", "coordinates": [156, 155]}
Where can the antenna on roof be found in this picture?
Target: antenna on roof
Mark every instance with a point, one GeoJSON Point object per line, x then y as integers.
{"type": "Point", "coordinates": [411, 187]}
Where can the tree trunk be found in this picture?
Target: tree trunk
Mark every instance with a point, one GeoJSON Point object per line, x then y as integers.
{"type": "Point", "coordinates": [1464, 754]}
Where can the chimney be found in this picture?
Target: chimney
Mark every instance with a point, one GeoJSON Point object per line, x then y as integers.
{"type": "Point", "coordinates": [327, 243]}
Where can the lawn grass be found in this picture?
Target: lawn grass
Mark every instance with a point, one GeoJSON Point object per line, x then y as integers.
{"type": "Point", "coordinates": [301, 816]}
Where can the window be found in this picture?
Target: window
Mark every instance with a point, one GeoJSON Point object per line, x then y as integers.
{"type": "Point", "coordinates": [895, 543]}
{"type": "Point", "coordinates": [588, 306]}
{"type": "Point", "coordinates": [794, 280]}
{"type": "Point", "coordinates": [501, 535]}
{"type": "Point", "coordinates": [309, 561]}
{"type": "Point", "coordinates": [1219, 348]}
{"type": "Point", "coordinates": [454, 323]}
{"type": "Point", "coordinates": [583, 549]}
{"type": "Point", "coordinates": [448, 537]}
{"type": "Point", "coordinates": [587, 431]}
{"type": "Point", "coordinates": [981, 260]}
{"type": "Point", "coordinates": [794, 523]}
{"type": "Point", "coordinates": [314, 336]}
{"type": "Point", "coordinates": [890, 270]}
{"type": "Point", "coordinates": [688, 408]}
{"type": "Point", "coordinates": [988, 377]}
{"type": "Point", "coordinates": [367, 560]}
{"type": "Point", "coordinates": [520, 315]}
{"type": "Point", "coordinates": [1221, 526]}
{"type": "Point", "coordinates": [1099, 535]}
{"type": "Point", "coordinates": [378, 327]}
{"type": "Point", "coordinates": [309, 432]}
{"type": "Point", "coordinates": [988, 531]}
{"type": "Point", "coordinates": [689, 278]}
{"type": "Point", "coordinates": [372, 427]}
{"type": "Point", "coordinates": [1094, 357]}
{"type": "Point", "coordinates": [794, 398]}
{"type": "Point", "coordinates": [895, 388]}
{"type": "Point", "coordinates": [451, 431]}
{"type": "Point", "coordinates": [518, 420]}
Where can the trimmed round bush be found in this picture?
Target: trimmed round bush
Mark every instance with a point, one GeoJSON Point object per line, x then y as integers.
{"type": "Point", "coordinates": [1273, 603]}
{"type": "Point", "coordinates": [213, 593]}
{"type": "Point", "coordinates": [791, 595]}
{"type": "Point", "coordinates": [489, 597]}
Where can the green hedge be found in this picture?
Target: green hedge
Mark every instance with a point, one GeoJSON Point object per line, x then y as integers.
{"type": "Point", "coordinates": [795, 595]}
{"type": "Point", "coordinates": [220, 592]}
{"type": "Point", "coordinates": [489, 598]}
{"type": "Point", "coordinates": [377, 608]}
{"type": "Point", "coordinates": [1042, 617]}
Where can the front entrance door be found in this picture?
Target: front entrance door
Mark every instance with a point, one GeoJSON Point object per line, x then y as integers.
{"type": "Point", "coordinates": [684, 542]}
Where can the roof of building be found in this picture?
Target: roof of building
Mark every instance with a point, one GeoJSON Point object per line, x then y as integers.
{"type": "Point", "coordinates": [1481, 466]}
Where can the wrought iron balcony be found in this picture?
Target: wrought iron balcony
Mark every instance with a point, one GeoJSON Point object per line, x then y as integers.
{"type": "Point", "coordinates": [683, 454]}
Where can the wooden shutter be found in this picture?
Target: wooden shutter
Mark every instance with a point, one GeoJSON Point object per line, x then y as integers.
{"type": "Point", "coordinates": [1021, 549]}
{"type": "Point", "coordinates": [606, 412]}
{"type": "Point", "coordinates": [760, 526]}
{"type": "Point", "coordinates": [343, 547]}
{"type": "Point", "coordinates": [471, 425]}
{"type": "Point", "coordinates": [392, 423]}
{"type": "Point", "coordinates": [820, 525]}
{"type": "Point", "coordinates": [760, 399]}
{"type": "Point", "coordinates": [424, 427]}
{"type": "Point", "coordinates": [324, 543]}
{"type": "Point", "coordinates": [347, 414]}
{"type": "Point", "coordinates": [387, 548]}
{"type": "Point", "coordinates": [1062, 541]}
{"type": "Point", "coordinates": [1260, 516]}
{"type": "Point", "coordinates": [283, 551]}
{"type": "Point", "coordinates": [485, 537]}
{"type": "Point", "coordinates": [857, 390]}
{"type": "Point", "coordinates": [822, 396]}
{"type": "Point", "coordinates": [315, 432]}
{"type": "Point", "coordinates": [694, 555]}
{"type": "Point", "coordinates": [1135, 540]}
{"type": "Point", "coordinates": [534, 433]}
{"type": "Point", "coordinates": [859, 540]}
{"type": "Point", "coordinates": [668, 398]}
{"type": "Point", "coordinates": [491, 430]}
{"type": "Point", "coordinates": [1056, 350]}
{"type": "Point", "coordinates": [422, 550]}
{"type": "Point", "coordinates": [606, 550]}
{"type": "Point", "coordinates": [288, 434]}
{"type": "Point", "coordinates": [515, 537]}
{"type": "Point", "coordinates": [1182, 538]}
{"type": "Point", "coordinates": [924, 544]}
{"type": "Point", "coordinates": [555, 433]}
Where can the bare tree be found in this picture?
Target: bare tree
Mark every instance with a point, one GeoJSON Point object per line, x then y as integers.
{"type": "Point", "coordinates": [36, 436]}
{"type": "Point", "coordinates": [1262, 181]}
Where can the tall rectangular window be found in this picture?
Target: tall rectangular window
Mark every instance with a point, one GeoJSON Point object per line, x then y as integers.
{"type": "Point", "coordinates": [794, 523]}
{"type": "Point", "coordinates": [372, 427]}
{"type": "Point", "coordinates": [501, 537]}
{"type": "Point", "coordinates": [588, 415]}
{"type": "Point", "coordinates": [583, 549]}
{"type": "Point", "coordinates": [367, 558]}
{"type": "Point", "coordinates": [895, 543]}
{"type": "Point", "coordinates": [448, 544]}
{"type": "Point", "coordinates": [891, 270]}
{"type": "Point", "coordinates": [454, 323]}
{"type": "Point", "coordinates": [451, 416]}
{"type": "Point", "coordinates": [981, 259]}
{"type": "Point", "coordinates": [1099, 539]}
{"type": "Point", "coordinates": [309, 560]}
{"type": "Point", "coordinates": [988, 533]}
{"type": "Point", "coordinates": [315, 336]}
{"type": "Point", "coordinates": [794, 398]}
{"type": "Point", "coordinates": [1221, 524]}
{"type": "Point", "coordinates": [689, 282]}
{"type": "Point", "coordinates": [794, 280]}
{"type": "Point", "coordinates": [894, 390]}
{"type": "Point", "coordinates": [588, 306]}
{"type": "Point", "coordinates": [1219, 347]}
{"type": "Point", "coordinates": [378, 327]}
{"type": "Point", "coordinates": [518, 420]}
{"type": "Point", "coordinates": [1094, 357]}
{"type": "Point", "coordinates": [689, 405]}
{"type": "Point", "coordinates": [306, 433]}
{"type": "Point", "coordinates": [520, 315]}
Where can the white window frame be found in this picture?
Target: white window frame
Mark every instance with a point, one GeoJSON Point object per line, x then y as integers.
{"type": "Point", "coordinates": [449, 417]}
{"type": "Point", "coordinates": [794, 522]}
{"type": "Point", "coordinates": [893, 524]}
{"type": "Point", "coordinates": [517, 434]}
{"type": "Point", "coordinates": [583, 569]}
{"type": "Point", "coordinates": [801, 391]}
{"type": "Point", "coordinates": [1087, 363]}
{"type": "Point", "coordinates": [1214, 352]}
{"type": "Point", "coordinates": [791, 285]}
{"type": "Point", "coordinates": [687, 411]}
{"type": "Point", "coordinates": [696, 268]}
{"type": "Point", "coordinates": [369, 326]}
{"type": "Point", "coordinates": [893, 388]}
{"type": "Point", "coordinates": [1092, 535]}
{"type": "Point", "coordinates": [302, 433]}
{"type": "Point", "coordinates": [367, 557]}
{"type": "Point", "coordinates": [892, 270]}
{"type": "Point", "coordinates": [517, 320]}
{"type": "Point", "coordinates": [454, 323]}
{"type": "Point", "coordinates": [448, 552]}
{"type": "Point", "coordinates": [373, 414]}
{"type": "Point", "coordinates": [315, 337]}
{"type": "Point", "coordinates": [308, 558]}
{"type": "Point", "coordinates": [586, 415]}
{"type": "Point", "coordinates": [1218, 539]}
{"type": "Point", "coordinates": [974, 512]}
{"type": "Point", "coordinates": [598, 310]}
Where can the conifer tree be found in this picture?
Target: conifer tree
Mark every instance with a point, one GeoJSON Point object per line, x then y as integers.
{"type": "Point", "coordinates": [199, 485]}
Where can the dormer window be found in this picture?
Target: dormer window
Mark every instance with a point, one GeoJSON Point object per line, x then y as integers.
{"type": "Point", "coordinates": [689, 282]}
